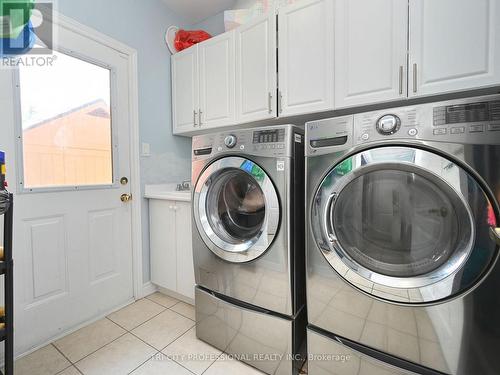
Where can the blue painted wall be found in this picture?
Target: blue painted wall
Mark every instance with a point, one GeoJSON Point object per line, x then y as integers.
{"type": "Point", "coordinates": [141, 25]}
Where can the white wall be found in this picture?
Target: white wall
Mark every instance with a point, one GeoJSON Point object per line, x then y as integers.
{"type": "Point", "coordinates": [141, 25]}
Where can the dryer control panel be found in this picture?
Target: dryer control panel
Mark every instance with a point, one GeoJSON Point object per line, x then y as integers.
{"type": "Point", "coordinates": [464, 121]}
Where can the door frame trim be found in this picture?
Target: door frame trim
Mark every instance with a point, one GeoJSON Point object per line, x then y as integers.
{"type": "Point", "coordinates": [130, 54]}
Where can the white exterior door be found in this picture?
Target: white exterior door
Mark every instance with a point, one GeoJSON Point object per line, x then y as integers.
{"type": "Point", "coordinates": [66, 133]}
{"type": "Point", "coordinates": [454, 45]}
{"type": "Point", "coordinates": [370, 51]}
{"type": "Point", "coordinates": [217, 81]}
{"type": "Point", "coordinates": [256, 70]}
{"type": "Point", "coordinates": [306, 64]}
{"type": "Point", "coordinates": [185, 90]}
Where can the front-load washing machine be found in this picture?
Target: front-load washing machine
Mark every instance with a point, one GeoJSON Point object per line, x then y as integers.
{"type": "Point", "coordinates": [248, 243]}
{"type": "Point", "coordinates": [403, 240]}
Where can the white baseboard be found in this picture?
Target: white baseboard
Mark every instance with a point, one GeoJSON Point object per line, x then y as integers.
{"type": "Point", "coordinates": [147, 289]}
{"type": "Point", "coordinates": [176, 295]}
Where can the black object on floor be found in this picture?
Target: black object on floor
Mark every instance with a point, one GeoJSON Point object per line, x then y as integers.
{"type": "Point", "coordinates": [6, 268]}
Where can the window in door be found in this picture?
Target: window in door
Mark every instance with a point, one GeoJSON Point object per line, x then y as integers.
{"type": "Point", "coordinates": [66, 124]}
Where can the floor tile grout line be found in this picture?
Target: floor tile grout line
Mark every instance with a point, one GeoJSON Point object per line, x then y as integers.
{"type": "Point", "coordinates": [177, 338]}
{"type": "Point", "coordinates": [212, 363]}
{"type": "Point", "coordinates": [180, 364]}
{"type": "Point", "coordinates": [187, 317]}
{"type": "Point", "coordinates": [64, 355]}
{"type": "Point", "coordinates": [143, 363]}
{"type": "Point", "coordinates": [132, 333]}
{"type": "Point", "coordinates": [130, 330]}
{"type": "Point", "coordinates": [178, 301]}
{"type": "Point", "coordinates": [112, 341]}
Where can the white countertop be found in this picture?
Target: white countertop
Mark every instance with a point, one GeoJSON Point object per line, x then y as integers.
{"type": "Point", "coordinates": [166, 192]}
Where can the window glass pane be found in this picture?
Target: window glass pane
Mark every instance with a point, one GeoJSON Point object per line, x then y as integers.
{"type": "Point", "coordinates": [66, 124]}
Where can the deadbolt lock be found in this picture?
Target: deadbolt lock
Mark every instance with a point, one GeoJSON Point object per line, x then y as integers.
{"type": "Point", "coordinates": [124, 181]}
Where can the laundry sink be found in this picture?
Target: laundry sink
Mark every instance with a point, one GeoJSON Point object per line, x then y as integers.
{"type": "Point", "coordinates": [167, 192]}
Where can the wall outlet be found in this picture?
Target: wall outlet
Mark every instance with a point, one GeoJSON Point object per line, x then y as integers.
{"type": "Point", "coordinates": [146, 149]}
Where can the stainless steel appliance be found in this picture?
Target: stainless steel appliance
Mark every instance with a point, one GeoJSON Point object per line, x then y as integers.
{"type": "Point", "coordinates": [403, 240]}
{"type": "Point", "coordinates": [248, 244]}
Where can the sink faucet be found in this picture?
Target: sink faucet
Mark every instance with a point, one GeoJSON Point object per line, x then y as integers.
{"type": "Point", "coordinates": [184, 186]}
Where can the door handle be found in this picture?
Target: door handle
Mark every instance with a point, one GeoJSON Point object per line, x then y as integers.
{"type": "Point", "coordinates": [199, 116]}
{"type": "Point", "coordinates": [194, 117]}
{"type": "Point", "coordinates": [495, 235]}
{"type": "Point", "coordinates": [126, 198]}
{"type": "Point", "coordinates": [270, 103]}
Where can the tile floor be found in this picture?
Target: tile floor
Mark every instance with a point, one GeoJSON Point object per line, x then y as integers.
{"type": "Point", "coordinates": [153, 336]}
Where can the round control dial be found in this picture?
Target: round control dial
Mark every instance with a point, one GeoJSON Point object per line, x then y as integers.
{"type": "Point", "coordinates": [230, 141]}
{"type": "Point", "coordinates": [388, 124]}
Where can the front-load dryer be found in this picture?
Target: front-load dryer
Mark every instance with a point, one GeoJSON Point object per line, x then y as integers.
{"type": "Point", "coordinates": [248, 244]}
{"type": "Point", "coordinates": [402, 240]}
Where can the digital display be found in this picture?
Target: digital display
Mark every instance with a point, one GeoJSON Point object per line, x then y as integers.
{"type": "Point", "coordinates": [467, 113]}
{"type": "Point", "coordinates": [269, 136]}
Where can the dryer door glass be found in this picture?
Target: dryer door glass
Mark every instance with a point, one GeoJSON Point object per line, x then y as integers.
{"type": "Point", "coordinates": [405, 224]}
{"type": "Point", "coordinates": [399, 222]}
{"type": "Point", "coordinates": [236, 209]}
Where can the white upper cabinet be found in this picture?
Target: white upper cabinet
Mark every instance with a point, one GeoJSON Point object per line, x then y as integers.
{"type": "Point", "coordinates": [454, 45]}
{"type": "Point", "coordinates": [305, 48]}
{"type": "Point", "coordinates": [256, 70]}
{"type": "Point", "coordinates": [370, 51]}
{"type": "Point", "coordinates": [217, 81]}
{"type": "Point", "coordinates": [185, 90]}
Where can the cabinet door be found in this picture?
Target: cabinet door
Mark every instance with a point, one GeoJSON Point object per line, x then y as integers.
{"type": "Point", "coordinates": [256, 70]}
{"type": "Point", "coordinates": [162, 224]}
{"type": "Point", "coordinates": [217, 81]}
{"type": "Point", "coordinates": [370, 51]}
{"type": "Point", "coordinates": [305, 49]}
{"type": "Point", "coordinates": [185, 267]}
{"type": "Point", "coordinates": [185, 90]}
{"type": "Point", "coordinates": [454, 45]}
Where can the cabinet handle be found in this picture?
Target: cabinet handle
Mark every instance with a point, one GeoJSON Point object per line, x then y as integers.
{"type": "Point", "coordinates": [199, 116]}
{"type": "Point", "coordinates": [194, 117]}
{"type": "Point", "coordinates": [401, 72]}
{"type": "Point", "coordinates": [280, 100]}
{"type": "Point", "coordinates": [415, 72]}
{"type": "Point", "coordinates": [170, 207]}
{"type": "Point", "coordinates": [270, 103]}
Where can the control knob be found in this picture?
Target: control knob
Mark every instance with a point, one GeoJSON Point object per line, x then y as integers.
{"type": "Point", "coordinates": [388, 124]}
{"type": "Point", "coordinates": [230, 141]}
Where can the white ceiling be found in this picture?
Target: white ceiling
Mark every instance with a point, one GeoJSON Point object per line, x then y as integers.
{"type": "Point", "coordinates": [197, 10]}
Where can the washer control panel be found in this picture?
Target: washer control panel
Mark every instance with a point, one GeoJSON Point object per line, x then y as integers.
{"type": "Point", "coordinates": [273, 141]}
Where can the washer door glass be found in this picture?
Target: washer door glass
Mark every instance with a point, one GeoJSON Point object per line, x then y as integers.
{"type": "Point", "coordinates": [236, 209]}
{"type": "Point", "coordinates": [404, 224]}
{"type": "Point", "coordinates": [236, 206]}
